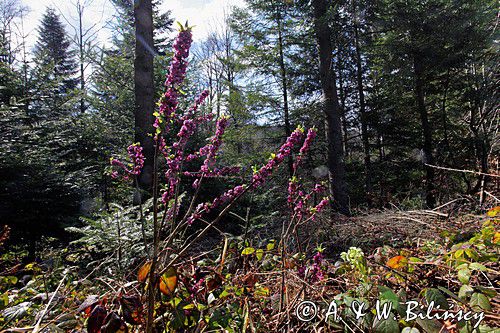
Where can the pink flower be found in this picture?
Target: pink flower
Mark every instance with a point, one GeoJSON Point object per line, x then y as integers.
{"type": "Point", "coordinates": [176, 75]}
{"type": "Point", "coordinates": [137, 158]}
{"type": "Point", "coordinates": [286, 149]}
{"type": "Point", "coordinates": [212, 148]}
{"type": "Point", "coordinates": [311, 134]}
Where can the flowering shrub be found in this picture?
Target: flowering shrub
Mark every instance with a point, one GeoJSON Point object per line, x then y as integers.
{"type": "Point", "coordinates": [180, 127]}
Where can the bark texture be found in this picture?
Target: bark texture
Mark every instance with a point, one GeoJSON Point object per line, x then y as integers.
{"type": "Point", "coordinates": [144, 88]}
{"type": "Point", "coordinates": [331, 108]}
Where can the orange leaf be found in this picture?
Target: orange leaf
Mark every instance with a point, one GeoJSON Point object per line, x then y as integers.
{"type": "Point", "coordinates": [496, 238]}
{"type": "Point", "coordinates": [493, 211]}
{"type": "Point", "coordinates": [143, 272]}
{"type": "Point", "coordinates": [168, 281]}
{"type": "Point", "coordinates": [397, 262]}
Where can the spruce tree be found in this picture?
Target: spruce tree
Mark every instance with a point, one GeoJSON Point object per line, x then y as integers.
{"type": "Point", "coordinates": [55, 65]}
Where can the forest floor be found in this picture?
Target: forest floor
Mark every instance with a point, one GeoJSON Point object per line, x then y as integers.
{"type": "Point", "coordinates": [448, 256]}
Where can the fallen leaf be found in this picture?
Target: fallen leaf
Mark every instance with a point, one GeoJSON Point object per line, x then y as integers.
{"type": "Point", "coordinates": [132, 309]}
{"type": "Point", "coordinates": [397, 262]}
{"type": "Point", "coordinates": [250, 280]}
{"type": "Point", "coordinates": [168, 281]}
{"type": "Point", "coordinates": [96, 319]}
{"type": "Point", "coordinates": [143, 272]}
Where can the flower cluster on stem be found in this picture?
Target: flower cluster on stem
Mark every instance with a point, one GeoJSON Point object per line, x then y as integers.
{"type": "Point", "coordinates": [176, 75]}
{"type": "Point", "coordinates": [137, 162]}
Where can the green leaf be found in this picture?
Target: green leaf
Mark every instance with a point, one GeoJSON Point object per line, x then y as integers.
{"type": "Point", "coordinates": [480, 302]}
{"type": "Point", "coordinates": [434, 295]}
{"type": "Point", "coordinates": [389, 325]}
{"type": "Point", "coordinates": [487, 291]}
{"type": "Point", "coordinates": [464, 275]}
{"type": "Point", "coordinates": [465, 291]}
{"type": "Point", "coordinates": [4, 300]}
{"type": "Point", "coordinates": [471, 254]}
{"type": "Point", "coordinates": [459, 253]}
{"type": "Point", "coordinates": [430, 326]}
{"type": "Point", "coordinates": [449, 293]}
{"type": "Point", "coordinates": [386, 294]}
{"type": "Point", "coordinates": [270, 245]}
{"type": "Point", "coordinates": [259, 254]}
{"type": "Point", "coordinates": [475, 266]}
{"type": "Point", "coordinates": [247, 251]}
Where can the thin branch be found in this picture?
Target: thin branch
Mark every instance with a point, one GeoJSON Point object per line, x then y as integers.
{"type": "Point", "coordinates": [465, 171]}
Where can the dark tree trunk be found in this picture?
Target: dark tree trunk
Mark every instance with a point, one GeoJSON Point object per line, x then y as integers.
{"type": "Point", "coordinates": [333, 127]}
{"type": "Point", "coordinates": [342, 96]}
{"type": "Point", "coordinates": [144, 88]}
{"type": "Point", "coordinates": [426, 131]}
{"type": "Point", "coordinates": [362, 111]}
{"type": "Point", "coordinates": [444, 117]}
{"type": "Point", "coordinates": [81, 48]}
{"type": "Point", "coordinates": [288, 130]}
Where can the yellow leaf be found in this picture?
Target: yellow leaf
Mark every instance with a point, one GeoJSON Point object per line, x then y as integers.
{"type": "Point", "coordinates": [247, 251]}
{"type": "Point", "coordinates": [496, 238]}
{"type": "Point", "coordinates": [168, 281]}
{"type": "Point", "coordinates": [494, 211]}
{"type": "Point", "coordinates": [397, 262]}
{"type": "Point", "coordinates": [143, 272]}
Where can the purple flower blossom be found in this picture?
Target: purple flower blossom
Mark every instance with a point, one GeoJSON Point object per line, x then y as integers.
{"type": "Point", "coordinates": [205, 208]}
{"type": "Point", "coordinates": [137, 158]}
{"type": "Point", "coordinates": [286, 149]}
{"type": "Point", "coordinates": [311, 134]}
{"type": "Point", "coordinates": [176, 75]}
{"type": "Point", "coordinates": [136, 155]}
{"type": "Point", "coordinates": [212, 148]}
{"type": "Point", "coordinates": [315, 271]}
{"type": "Point", "coordinates": [319, 207]}
{"type": "Point", "coordinates": [317, 267]}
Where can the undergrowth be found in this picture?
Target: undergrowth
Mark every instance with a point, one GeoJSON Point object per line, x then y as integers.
{"type": "Point", "coordinates": [237, 289]}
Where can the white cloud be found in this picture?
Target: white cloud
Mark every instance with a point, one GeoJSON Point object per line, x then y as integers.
{"type": "Point", "coordinates": [205, 15]}
{"type": "Point", "coordinates": [100, 12]}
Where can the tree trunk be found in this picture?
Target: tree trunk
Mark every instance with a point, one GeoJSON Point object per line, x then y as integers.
{"type": "Point", "coordinates": [362, 111]}
{"type": "Point", "coordinates": [342, 96]}
{"type": "Point", "coordinates": [82, 56]}
{"type": "Point", "coordinates": [284, 85]}
{"type": "Point", "coordinates": [333, 128]}
{"type": "Point", "coordinates": [144, 88]}
{"type": "Point", "coordinates": [444, 117]}
{"type": "Point", "coordinates": [427, 132]}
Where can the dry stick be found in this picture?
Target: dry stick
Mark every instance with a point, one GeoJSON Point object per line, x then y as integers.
{"type": "Point", "coordinates": [154, 259]}
{"type": "Point", "coordinates": [491, 195]}
{"type": "Point", "coordinates": [174, 212]}
{"type": "Point", "coordinates": [449, 203]}
{"type": "Point", "coordinates": [37, 326]}
{"type": "Point", "coordinates": [247, 219]}
{"type": "Point", "coordinates": [193, 200]}
{"type": "Point", "coordinates": [183, 222]}
{"type": "Point", "coordinates": [170, 239]}
{"type": "Point", "coordinates": [141, 217]}
{"type": "Point", "coordinates": [224, 253]}
{"type": "Point", "coordinates": [99, 266]}
{"type": "Point", "coordinates": [428, 212]}
{"type": "Point", "coordinates": [460, 170]}
{"type": "Point", "coordinates": [283, 282]}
